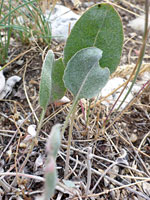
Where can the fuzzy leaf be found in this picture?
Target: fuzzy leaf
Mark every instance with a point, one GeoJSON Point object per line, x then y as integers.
{"type": "Point", "coordinates": [46, 80]}
{"type": "Point", "coordinates": [54, 140]}
{"type": "Point", "coordinates": [83, 76]}
{"type": "Point", "coordinates": [58, 89]}
{"type": "Point", "coordinates": [50, 179]}
{"type": "Point", "coordinates": [101, 27]}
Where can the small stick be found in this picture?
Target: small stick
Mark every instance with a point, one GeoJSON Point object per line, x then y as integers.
{"type": "Point", "coordinates": [89, 156]}
{"type": "Point", "coordinates": [119, 160]}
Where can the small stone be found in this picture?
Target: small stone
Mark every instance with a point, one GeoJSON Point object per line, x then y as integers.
{"type": "Point", "coordinates": [31, 130]}
{"type": "Point", "coordinates": [88, 4]}
{"type": "Point", "coordinates": [114, 171]}
{"type": "Point", "coordinates": [132, 34]}
{"type": "Point", "coordinates": [133, 137]}
{"type": "Point", "coordinates": [19, 62]}
{"type": "Point", "coordinates": [22, 145]}
{"type": "Point", "coordinates": [2, 81]}
{"type": "Point", "coordinates": [146, 187]}
{"type": "Point", "coordinates": [138, 24]}
{"type": "Point", "coordinates": [111, 85]}
{"type": "Point", "coordinates": [62, 20]}
{"type": "Point", "coordinates": [62, 101]}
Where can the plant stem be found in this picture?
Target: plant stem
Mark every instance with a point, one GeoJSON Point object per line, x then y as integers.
{"type": "Point", "coordinates": [89, 173]}
{"type": "Point", "coordinates": [88, 113]}
{"type": "Point", "coordinates": [71, 112]}
{"type": "Point", "coordinates": [69, 141]}
{"type": "Point", "coordinates": [34, 141]}
{"type": "Point", "coordinates": [40, 122]}
{"type": "Point", "coordinates": [68, 116]}
{"type": "Point", "coordinates": [1, 6]}
{"type": "Point", "coordinates": [28, 155]}
{"type": "Point", "coordinates": [9, 30]}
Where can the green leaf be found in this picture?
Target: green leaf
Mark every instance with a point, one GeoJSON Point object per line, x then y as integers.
{"type": "Point", "coordinates": [54, 140]}
{"type": "Point", "coordinates": [83, 76]}
{"type": "Point", "coordinates": [58, 89]}
{"type": "Point", "coordinates": [46, 80]}
{"type": "Point", "coordinates": [101, 27]}
{"type": "Point", "coordinates": [52, 147]}
{"type": "Point", "coordinates": [50, 178]}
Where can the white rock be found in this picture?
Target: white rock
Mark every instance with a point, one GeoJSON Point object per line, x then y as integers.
{"type": "Point", "coordinates": [19, 62]}
{"type": "Point", "coordinates": [31, 130]}
{"type": "Point", "coordinates": [9, 86]}
{"type": "Point", "coordinates": [144, 77]}
{"type": "Point", "coordinates": [39, 162]}
{"type": "Point", "coordinates": [88, 4]}
{"type": "Point", "coordinates": [146, 188]}
{"type": "Point", "coordinates": [133, 137]}
{"type": "Point", "coordinates": [64, 100]}
{"type": "Point", "coordinates": [2, 81]}
{"type": "Point", "coordinates": [61, 19]}
{"type": "Point", "coordinates": [112, 85]}
{"type": "Point", "coordinates": [138, 23]}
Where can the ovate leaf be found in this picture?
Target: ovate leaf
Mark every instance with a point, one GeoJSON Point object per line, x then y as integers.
{"type": "Point", "coordinates": [101, 27]}
{"type": "Point", "coordinates": [83, 76]}
{"type": "Point", "coordinates": [46, 80]}
{"type": "Point", "coordinates": [58, 89]}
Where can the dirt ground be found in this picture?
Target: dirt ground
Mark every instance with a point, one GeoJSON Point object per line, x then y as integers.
{"type": "Point", "coordinates": [120, 149]}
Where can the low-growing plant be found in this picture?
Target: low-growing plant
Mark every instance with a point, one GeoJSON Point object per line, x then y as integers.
{"type": "Point", "coordinates": [92, 52]}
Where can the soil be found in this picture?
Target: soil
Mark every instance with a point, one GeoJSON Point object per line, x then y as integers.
{"type": "Point", "coordinates": [121, 144]}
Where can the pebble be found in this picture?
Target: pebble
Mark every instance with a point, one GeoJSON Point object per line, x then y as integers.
{"type": "Point", "coordinates": [61, 19]}
{"type": "Point", "coordinates": [2, 81]}
{"type": "Point", "coordinates": [138, 23]}
{"type": "Point", "coordinates": [88, 4]}
{"type": "Point", "coordinates": [111, 86]}
{"type": "Point", "coordinates": [133, 137]}
{"type": "Point", "coordinates": [19, 62]}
